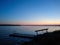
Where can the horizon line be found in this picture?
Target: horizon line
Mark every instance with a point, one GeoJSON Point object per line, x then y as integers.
{"type": "Point", "coordinates": [29, 24]}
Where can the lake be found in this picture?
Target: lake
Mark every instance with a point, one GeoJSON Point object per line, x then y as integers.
{"type": "Point", "coordinates": [6, 30]}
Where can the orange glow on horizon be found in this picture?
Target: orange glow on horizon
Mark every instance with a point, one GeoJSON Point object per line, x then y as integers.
{"type": "Point", "coordinates": [37, 23]}
{"type": "Point", "coordinates": [33, 23]}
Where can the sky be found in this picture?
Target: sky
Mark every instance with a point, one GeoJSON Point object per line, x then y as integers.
{"type": "Point", "coordinates": [29, 12]}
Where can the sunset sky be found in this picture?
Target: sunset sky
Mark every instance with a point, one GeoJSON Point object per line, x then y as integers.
{"type": "Point", "coordinates": [29, 12]}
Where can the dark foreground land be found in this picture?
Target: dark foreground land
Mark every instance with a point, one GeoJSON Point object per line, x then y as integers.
{"type": "Point", "coordinates": [52, 38]}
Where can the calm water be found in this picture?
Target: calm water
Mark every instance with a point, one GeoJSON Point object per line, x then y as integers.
{"type": "Point", "coordinates": [6, 30]}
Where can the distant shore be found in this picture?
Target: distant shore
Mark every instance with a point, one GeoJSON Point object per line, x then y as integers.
{"type": "Point", "coordinates": [25, 25]}
{"type": "Point", "coordinates": [9, 25]}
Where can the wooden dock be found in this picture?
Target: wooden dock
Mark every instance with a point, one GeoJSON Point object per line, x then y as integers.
{"type": "Point", "coordinates": [22, 35]}
{"type": "Point", "coordinates": [27, 35]}
{"type": "Point", "coordinates": [46, 30]}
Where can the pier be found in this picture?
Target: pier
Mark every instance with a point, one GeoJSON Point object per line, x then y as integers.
{"type": "Point", "coordinates": [22, 35]}
{"type": "Point", "coordinates": [46, 30]}
{"type": "Point", "coordinates": [27, 35]}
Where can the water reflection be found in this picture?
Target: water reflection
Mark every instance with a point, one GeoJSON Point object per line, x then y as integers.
{"type": "Point", "coordinates": [6, 30]}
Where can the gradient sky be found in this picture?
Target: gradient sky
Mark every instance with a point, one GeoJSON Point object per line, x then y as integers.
{"type": "Point", "coordinates": [29, 12]}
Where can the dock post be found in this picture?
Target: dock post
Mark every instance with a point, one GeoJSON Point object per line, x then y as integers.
{"type": "Point", "coordinates": [36, 33]}
{"type": "Point", "coordinates": [46, 31]}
